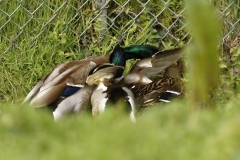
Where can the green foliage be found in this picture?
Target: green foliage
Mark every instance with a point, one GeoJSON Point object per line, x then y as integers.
{"type": "Point", "coordinates": [203, 54]}
{"type": "Point", "coordinates": [230, 77]}
{"type": "Point", "coordinates": [22, 68]}
{"type": "Point", "coordinates": [140, 20]}
{"type": "Point", "coordinates": [230, 14]}
{"type": "Point", "coordinates": [169, 132]}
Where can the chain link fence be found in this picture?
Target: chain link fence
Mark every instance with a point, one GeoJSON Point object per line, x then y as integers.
{"type": "Point", "coordinates": [93, 22]}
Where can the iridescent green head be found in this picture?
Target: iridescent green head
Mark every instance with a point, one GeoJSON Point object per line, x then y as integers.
{"type": "Point", "coordinates": [117, 57]}
{"type": "Point", "coordinates": [120, 55]}
{"type": "Point", "coordinates": [139, 51]}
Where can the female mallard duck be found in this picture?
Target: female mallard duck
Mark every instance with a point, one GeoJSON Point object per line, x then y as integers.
{"type": "Point", "coordinates": [108, 93]}
{"type": "Point", "coordinates": [62, 85]}
{"type": "Point", "coordinates": [161, 89]}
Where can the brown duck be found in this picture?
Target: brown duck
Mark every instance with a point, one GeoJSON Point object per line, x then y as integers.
{"type": "Point", "coordinates": [163, 89]}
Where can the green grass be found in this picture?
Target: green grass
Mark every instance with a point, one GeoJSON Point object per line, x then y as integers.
{"type": "Point", "coordinates": [169, 132]}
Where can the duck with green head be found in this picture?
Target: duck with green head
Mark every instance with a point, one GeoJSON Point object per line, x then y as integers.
{"type": "Point", "coordinates": [68, 78]}
{"type": "Point", "coordinates": [138, 76]}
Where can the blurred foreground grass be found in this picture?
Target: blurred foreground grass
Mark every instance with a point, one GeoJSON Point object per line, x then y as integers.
{"type": "Point", "coordinates": [169, 132]}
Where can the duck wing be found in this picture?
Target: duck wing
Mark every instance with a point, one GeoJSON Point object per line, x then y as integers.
{"type": "Point", "coordinates": [50, 91]}
{"type": "Point", "coordinates": [79, 77]}
{"type": "Point", "coordinates": [75, 103]}
{"type": "Point", "coordinates": [103, 73]}
{"type": "Point", "coordinates": [157, 63]}
{"type": "Point", "coordinates": [73, 73]}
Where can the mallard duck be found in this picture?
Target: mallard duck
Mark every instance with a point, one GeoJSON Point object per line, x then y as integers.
{"type": "Point", "coordinates": [74, 73]}
{"type": "Point", "coordinates": [141, 71]}
{"type": "Point", "coordinates": [53, 84]}
{"type": "Point", "coordinates": [68, 80]}
{"type": "Point", "coordinates": [110, 90]}
{"type": "Point", "coordinates": [138, 76]}
{"type": "Point", "coordinates": [161, 89]}
{"type": "Point", "coordinates": [106, 92]}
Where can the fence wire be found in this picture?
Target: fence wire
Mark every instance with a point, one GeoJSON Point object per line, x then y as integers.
{"type": "Point", "coordinates": [91, 21]}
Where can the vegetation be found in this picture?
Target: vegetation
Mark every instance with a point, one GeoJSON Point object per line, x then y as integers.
{"type": "Point", "coordinates": [167, 132]}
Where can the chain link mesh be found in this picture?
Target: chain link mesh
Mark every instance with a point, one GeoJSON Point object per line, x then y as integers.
{"type": "Point", "coordinates": [93, 21]}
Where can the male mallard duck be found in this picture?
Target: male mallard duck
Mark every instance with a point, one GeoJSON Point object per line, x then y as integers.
{"type": "Point", "coordinates": [62, 85]}
{"type": "Point", "coordinates": [106, 92]}
{"type": "Point", "coordinates": [138, 76]}
{"type": "Point", "coordinates": [161, 89]}
{"type": "Point", "coordinates": [74, 73]}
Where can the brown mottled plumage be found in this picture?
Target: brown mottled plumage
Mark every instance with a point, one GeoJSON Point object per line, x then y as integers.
{"type": "Point", "coordinates": [153, 92]}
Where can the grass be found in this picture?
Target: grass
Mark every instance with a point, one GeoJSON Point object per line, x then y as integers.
{"type": "Point", "coordinates": [172, 131]}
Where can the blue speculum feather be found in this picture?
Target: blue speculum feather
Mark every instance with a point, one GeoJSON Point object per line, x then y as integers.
{"type": "Point", "coordinates": [70, 90]}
